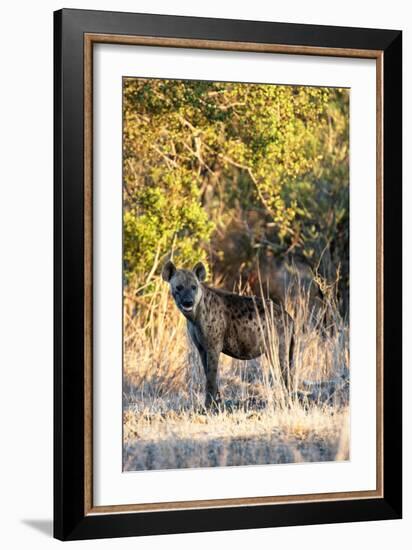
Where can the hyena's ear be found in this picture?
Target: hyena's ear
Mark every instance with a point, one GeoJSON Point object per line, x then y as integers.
{"type": "Point", "coordinates": [168, 271]}
{"type": "Point", "coordinates": [200, 271]}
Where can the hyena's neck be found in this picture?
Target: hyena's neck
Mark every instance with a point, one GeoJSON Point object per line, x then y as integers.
{"type": "Point", "coordinates": [206, 304]}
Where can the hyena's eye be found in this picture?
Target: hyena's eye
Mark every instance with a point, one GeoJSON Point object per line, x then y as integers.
{"type": "Point", "coordinates": [193, 287]}
{"type": "Point", "coordinates": [179, 288]}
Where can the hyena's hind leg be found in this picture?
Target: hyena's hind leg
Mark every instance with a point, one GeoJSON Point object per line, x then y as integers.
{"type": "Point", "coordinates": [285, 331]}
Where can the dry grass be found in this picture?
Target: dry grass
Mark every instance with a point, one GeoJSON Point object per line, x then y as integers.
{"type": "Point", "coordinates": [166, 426]}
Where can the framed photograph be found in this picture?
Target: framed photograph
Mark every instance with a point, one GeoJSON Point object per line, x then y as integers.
{"type": "Point", "coordinates": [227, 274]}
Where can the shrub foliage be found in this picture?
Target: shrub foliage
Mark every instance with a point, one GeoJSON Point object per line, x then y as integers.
{"type": "Point", "coordinates": [210, 166]}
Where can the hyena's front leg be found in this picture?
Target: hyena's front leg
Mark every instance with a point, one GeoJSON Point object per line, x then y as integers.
{"type": "Point", "coordinates": [210, 361]}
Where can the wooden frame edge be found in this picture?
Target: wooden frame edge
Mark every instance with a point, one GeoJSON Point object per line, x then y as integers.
{"type": "Point", "coordinates": [379, 274]}
{"type": "Point", "coordinates": [205, 44]}
{"type": "Point", "coordinates": [231, 502]}
{"type": "Point", "coordinates": [89, 40]}
{"type": "Point", "coordinates": [88, 276]}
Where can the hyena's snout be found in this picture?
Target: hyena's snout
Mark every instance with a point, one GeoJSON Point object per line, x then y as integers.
{"type": "Point", "coordinates": [187, 302]}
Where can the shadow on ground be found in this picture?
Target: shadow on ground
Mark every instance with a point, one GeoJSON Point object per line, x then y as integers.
{"type": "Point", "coordinates": [227, 451]}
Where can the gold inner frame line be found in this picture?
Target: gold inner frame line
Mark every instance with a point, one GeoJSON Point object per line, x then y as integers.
{"type": "Point", "coordinates": [89, 40]}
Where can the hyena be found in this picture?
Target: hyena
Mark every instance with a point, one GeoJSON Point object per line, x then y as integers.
{"type": "Point", "coordinates": [223, 322]}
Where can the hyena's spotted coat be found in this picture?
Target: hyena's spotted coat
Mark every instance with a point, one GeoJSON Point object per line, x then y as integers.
{"type": "Point", "coordinates": [223, 322]}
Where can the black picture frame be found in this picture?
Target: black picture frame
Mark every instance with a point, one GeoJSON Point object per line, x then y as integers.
{"type": "Point", "coordinates": [71, 522]}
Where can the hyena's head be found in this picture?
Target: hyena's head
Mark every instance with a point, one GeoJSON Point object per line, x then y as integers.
{"type": "Point", "coordinates": [185, 286]}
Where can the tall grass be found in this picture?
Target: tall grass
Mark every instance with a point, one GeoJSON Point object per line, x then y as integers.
{"type": "Point", "coordinates": [261, 420]}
